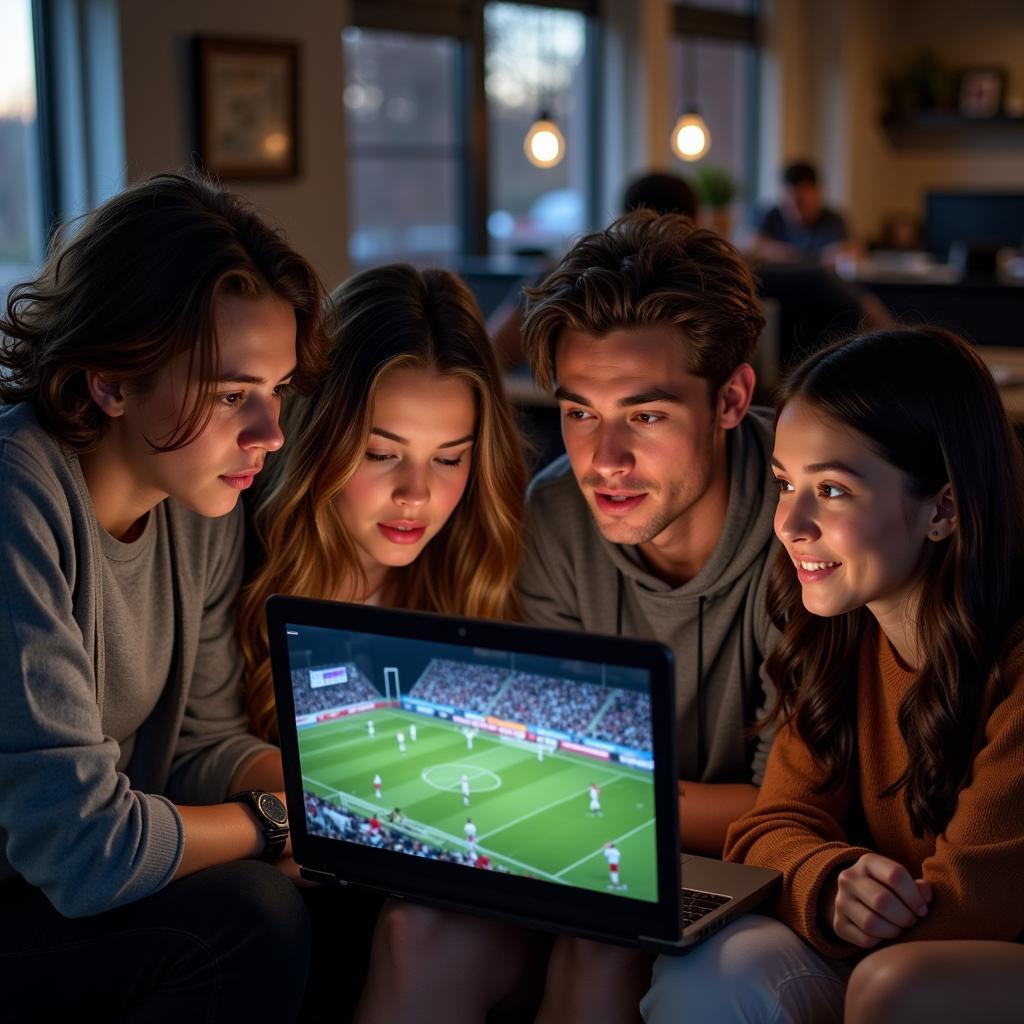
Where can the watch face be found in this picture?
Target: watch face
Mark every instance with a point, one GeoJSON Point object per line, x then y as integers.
{"type": "Point", "coordinates": [273, 808]}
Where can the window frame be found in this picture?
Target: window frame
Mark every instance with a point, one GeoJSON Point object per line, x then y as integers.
{"type": "Point", "coordinates": [694, 22]}
{"type": "Point", "coordinates": [463, 21]}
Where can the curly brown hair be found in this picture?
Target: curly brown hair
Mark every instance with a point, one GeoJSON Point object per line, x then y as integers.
{"type": "Point", "coordinates": [135, 283]}
{"type": "Point", "coordinates": [644, 270]}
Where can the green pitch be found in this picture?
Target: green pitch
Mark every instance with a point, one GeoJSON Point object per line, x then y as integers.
{"type": "Point", "coordinates": [532, 817]}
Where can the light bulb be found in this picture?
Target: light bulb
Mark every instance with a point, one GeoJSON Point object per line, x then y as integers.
{"type": "Point", "coordinates": [544, 145]}
{"type": "Point", "coordinates": [690, 137]}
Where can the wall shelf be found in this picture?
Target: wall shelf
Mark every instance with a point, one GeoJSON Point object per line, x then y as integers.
{"type": "Point", "coordinates": [944, 129]}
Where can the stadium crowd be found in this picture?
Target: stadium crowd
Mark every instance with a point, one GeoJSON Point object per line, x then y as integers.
{"type": "Point", "coordinates": [459, 685]}
{"type": "Point", "coordinates": [330, 821]}
{"type": "Point", "coordinates": [311, 700]}
{"type": "Point", "coordinates": [627, 720]}
{"type": "Point", "coordinates": [566, 705]}
{"type": "Point", "coordinates": [550, 703]}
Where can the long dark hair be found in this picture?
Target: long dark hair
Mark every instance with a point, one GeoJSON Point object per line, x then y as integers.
{"type": "Point", "coordinates": [926, 403]}
{"type": "Point", "coordinates": [387, 317]}
{"type": "Point", "coordinates": [134, 283]}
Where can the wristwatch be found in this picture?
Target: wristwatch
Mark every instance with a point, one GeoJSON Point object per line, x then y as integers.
{"type": "Point", "coordinates": [273, 819]}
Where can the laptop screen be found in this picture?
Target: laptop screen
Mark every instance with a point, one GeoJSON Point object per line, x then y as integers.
{"type": "Point", "coordinates": [515, 763]}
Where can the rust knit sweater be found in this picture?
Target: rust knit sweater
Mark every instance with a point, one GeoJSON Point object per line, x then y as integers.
{"type": "Point", "coordinates": [976, 867]}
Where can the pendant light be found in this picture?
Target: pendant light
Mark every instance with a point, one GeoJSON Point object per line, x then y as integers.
{"type": "Point", "coordinates": [690, 136]}
{"type": "Point", "coordinates": [690, 139]}
{"type": "Point", "coordinates": [544, 144]}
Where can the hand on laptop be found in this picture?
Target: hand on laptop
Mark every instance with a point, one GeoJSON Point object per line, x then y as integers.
{"type": "Point", "coordinates": [874, 899]}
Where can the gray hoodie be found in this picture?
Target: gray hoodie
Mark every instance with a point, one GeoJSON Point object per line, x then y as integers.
{"type": "Point", "coordinates": [95, 740]}
{"type": "Point", "coordinates": [716, 624]}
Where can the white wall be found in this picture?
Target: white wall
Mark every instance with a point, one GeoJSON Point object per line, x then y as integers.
{"type": "Point", "coordinates": [158, 105]}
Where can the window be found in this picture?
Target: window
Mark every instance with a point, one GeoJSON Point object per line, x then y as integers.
{"type": "Point", "coordinates": [438, 100]}
{"type": "Point", "coordinates": [713, 64]}
{"type": "Point", "coordinates": [405, 146]}
{"type": "Point", "coordinates": [535, 63]}
{"type": "Point", "coordinates": [21, 228]}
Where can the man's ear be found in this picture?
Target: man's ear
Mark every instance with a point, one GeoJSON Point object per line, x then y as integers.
{"type": "Point", "coordinates": [735, 395]}
{"type": "Point", "coordinates": [107, 394]}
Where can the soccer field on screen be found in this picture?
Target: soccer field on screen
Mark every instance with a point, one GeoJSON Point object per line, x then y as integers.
{"type": "Point", "coordinates": [532, 817]}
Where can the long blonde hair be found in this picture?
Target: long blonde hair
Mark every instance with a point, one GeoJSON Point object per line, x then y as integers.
{"type": "Point", "coordinates": [389, 316]}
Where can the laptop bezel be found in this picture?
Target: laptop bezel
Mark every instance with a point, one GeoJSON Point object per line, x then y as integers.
{"type": "Point", "coordinates": [543, 904]}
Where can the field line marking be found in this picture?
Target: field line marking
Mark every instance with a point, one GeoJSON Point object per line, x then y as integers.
{"type": "Point", "coordinates": [576, 759]}
{"type": "Point", "coordinates": [323, 785]}
{"type": "Point", "coordinates": [495, 744]}
{"type": "Point", "coordinates": [617, 840]}
{"type": "Point", "coordinates": [454, 840]}
{"type": "Point", "coordinates": [580, 795]}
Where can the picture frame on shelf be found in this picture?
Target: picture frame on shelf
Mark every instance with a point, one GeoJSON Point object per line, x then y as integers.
{"type": "Point", "coordinates": [981, 92]}
{"type": "Point", "coordinates": [247, 107]}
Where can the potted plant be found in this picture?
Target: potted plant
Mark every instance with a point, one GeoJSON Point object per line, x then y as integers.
{"type": "Point", "coordinates": [717, 189]}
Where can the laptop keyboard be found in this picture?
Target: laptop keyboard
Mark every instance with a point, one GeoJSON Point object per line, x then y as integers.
{"type": "Point", "coordinates": [695, 904]}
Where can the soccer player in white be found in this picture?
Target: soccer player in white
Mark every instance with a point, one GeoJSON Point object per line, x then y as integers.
{"type": "Point", "coordinates": [611, 853]}
{"type": "Point", "coordinates": [370, 729]}
{"type": "Point", "coordinates": [401, 742]}
{"type": "Point", "coordinates": [540, 751]}
{"type": "Point", "coordinates": [464, 784]}
{"type": "Point", "coordinates": [469, 734]}
{"type": "Point", "coordinates": [470, 829]}
{"type": "Point", "coordinates": [595, 798]}
{"type": "Point", "coordinates": [412, 732]}
{"type": "Point", "coordinates": [376, 786]}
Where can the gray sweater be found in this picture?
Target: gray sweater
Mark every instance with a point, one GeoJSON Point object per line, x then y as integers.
{"type": "Point", "coordinates": [92, 764]}
{"type": "Point", "coordinates": [716, 624]}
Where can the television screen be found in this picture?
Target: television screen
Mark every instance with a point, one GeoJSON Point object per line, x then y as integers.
{"type": "Point", "coordinates": [973, 218]}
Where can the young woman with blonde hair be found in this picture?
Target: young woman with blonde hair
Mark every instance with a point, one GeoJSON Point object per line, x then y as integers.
{"type": "Point", "coordinates": [403, 481]}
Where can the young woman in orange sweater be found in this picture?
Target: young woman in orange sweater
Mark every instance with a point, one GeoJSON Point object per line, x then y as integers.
{"type": "Point", "coordinates": [894, 796]}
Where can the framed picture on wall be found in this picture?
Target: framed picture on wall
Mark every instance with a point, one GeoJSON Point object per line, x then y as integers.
{"type": "Point", "coordinates": [981, 92]}
{"type": "Point", "coordinates": [247, 92]}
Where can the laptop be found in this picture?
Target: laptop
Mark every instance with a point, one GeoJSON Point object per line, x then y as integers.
{"type": "Point", "coordinates": [493, 768]}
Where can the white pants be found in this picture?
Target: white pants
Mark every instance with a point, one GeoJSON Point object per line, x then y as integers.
{"type": "Point", "coordinates": [755, 971]}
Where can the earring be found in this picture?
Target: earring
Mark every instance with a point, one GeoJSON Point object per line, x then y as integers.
{"type": "Point", "coordinates": [934, 533]}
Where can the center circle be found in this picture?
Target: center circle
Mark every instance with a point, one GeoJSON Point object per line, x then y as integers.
{"type": "Point", "coordinates": [448, 777]}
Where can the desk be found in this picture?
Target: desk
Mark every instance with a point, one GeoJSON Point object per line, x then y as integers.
{"type": "Point", "coordinates": [989, 313]}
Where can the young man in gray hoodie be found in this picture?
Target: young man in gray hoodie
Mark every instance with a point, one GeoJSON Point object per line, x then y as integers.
{"type": "Point", "coordinates": [657, 523]}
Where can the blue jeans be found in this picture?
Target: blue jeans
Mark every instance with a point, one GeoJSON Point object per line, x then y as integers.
{"type": "Point", "coordinates": [755, 971]}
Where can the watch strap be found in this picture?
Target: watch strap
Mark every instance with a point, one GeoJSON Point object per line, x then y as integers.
{"type": "Point", "coordinates": [275, 833]}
